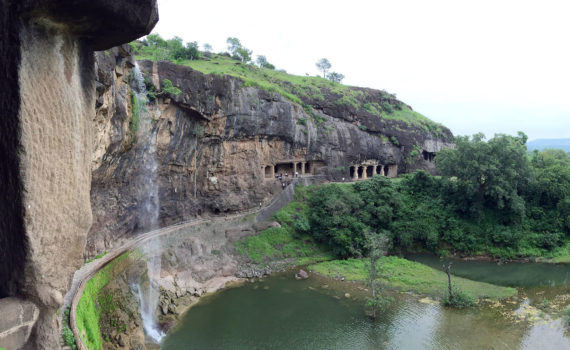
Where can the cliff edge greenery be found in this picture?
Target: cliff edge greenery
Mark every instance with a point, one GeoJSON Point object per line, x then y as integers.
{"type": "Point", "coordinates": [307, 91]}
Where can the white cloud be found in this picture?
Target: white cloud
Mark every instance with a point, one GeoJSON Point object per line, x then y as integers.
{"type": "Point", "coordinates": [488, 66]}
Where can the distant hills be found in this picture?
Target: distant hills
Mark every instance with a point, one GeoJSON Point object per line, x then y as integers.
{"type": "Point", "coordinates": [541, 144]}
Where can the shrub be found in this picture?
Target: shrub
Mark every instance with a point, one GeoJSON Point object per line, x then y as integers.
{"type": "Point", "coordinates": [302, 121]}
{"type": "Point", "coordinates": [170, 89]}
{"type": "Point", "coordinates": [566, 316]}
{"type": "Point", "coordinates": [67, 333]}
{"type": "Point", "coordinates": [460, 300]}
{"type": "Point", "coordinates": [395, 141]}
{"type": "Point", "coordinates": [387, 107]}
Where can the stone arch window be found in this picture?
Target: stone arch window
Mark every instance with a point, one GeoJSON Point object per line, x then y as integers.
{"type": "Point", "coordinates": [268, 172]}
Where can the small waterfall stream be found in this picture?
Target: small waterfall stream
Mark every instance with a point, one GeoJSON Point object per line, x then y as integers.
{"type": "Point", "coordinates": [147, 186]}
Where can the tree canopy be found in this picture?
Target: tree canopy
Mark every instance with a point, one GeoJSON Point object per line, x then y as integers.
{"type": "Point", "coordinates": [492, 173]}
{"type": "Point", "coordinates": [323, 65]}
{"type": "Point", "coordinates": [238, 51]}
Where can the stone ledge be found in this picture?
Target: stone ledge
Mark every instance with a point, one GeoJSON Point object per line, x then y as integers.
{"type": "Point", "coordinates": [17, 321]}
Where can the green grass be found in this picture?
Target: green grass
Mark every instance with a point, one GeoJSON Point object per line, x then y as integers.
{"type": "Point", "coordinates": [303, 89]}
{"type": "Point", "coordinates": [277, 243]}
{"type": "Point", "coordinates": [560, 255]}
{"type": "Point", "coordinates": [405, 275]}
{"type": "Point", "coordinates": [87, 312]}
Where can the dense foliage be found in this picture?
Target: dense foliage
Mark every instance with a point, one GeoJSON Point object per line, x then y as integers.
{"type": "Point", "coordinates": [492, 198]}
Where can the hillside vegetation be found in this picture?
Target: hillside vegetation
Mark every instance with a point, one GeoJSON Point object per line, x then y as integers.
{"type": "Point", "coordinates": [308, 91]}
{"type": "Point", "coordinates": [490, 200]}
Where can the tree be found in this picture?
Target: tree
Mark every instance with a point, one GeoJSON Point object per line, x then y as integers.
{"type": "Point", "coordinates": [192, 52]}
{"type": "Point", "coordinates": [377, 245]}
{"type": "Point", "coordinates": [243, 54]}
{"type": "Point", "coordinates": [176, 48]}
{"type": "Point", "coordinates": [323, 65]}
{"type": "Point", "coordinates": [207, 48]}
{"type": "Point", "coordinates": [455, 298]}
{"type": "Point", "coordinates": [262, 62]}
{"type": "Point", "coordinates": [488, 174]}
{"type": "Point", "coordinates": [157, 47]}
{"type": "Point", "coordinates": [334, 215]}
{"type": "Point", "coordinates": [336, 77]}
{"type": "Point", "coordinates": [238, 51]}
{"type": "Point", "coordinates": [233, 45]}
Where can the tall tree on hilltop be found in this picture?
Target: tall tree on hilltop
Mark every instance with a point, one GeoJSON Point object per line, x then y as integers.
{"type": "Point", "coordinates": [238, 51]}
{"type": "Point", "coordinates": [323, 65]}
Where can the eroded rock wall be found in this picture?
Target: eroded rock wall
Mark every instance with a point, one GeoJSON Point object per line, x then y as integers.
{"type": "Point", "coordinates": [220, 144]}
{"type": "Point", "coordinates": [47, 105]}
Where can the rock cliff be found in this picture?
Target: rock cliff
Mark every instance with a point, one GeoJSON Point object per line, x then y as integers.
{"type": "Point", "coordinates": [46, 55]}
{"type": "Point", "coordinates": [220, 143]}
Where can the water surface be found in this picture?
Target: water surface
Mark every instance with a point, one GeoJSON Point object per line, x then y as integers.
{"type": "Point", "coordinates": [283, 313]}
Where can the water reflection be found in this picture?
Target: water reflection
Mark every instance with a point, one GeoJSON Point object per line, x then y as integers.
{"type": "Point", "coordinates": [507, 274]}
{"type": "Point", "coordinates": [282, 313]}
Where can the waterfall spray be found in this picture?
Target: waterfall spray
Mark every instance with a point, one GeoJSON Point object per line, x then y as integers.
{"type": "Point", "coordinates": [147, 185]}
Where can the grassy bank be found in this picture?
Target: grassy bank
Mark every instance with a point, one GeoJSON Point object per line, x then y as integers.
{"type": "Point", "coordinates": [88, 313]}
{"type": "Point", "coordinates": [560, 255]}
{"type": "Point", "coordinates": [404, 275]}
{"type": "Point", "coordinates": [285, 242]}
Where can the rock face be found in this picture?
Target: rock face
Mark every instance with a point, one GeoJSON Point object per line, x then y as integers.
{"type": "Point", "coordinates": [220, 145]}
{"type": "Point", "coordinates": [46, 133]}
{"type": "Point", "coordinates": [18, 319]}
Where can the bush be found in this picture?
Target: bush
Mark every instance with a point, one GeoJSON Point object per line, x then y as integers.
{"type": "Point", "coordinates": [169, 89]}
{"type": "Point", "coordinates": [460, 300]}
{"type": "Point", "coordinates": [67, 333]}
{"type": "Point", "coordinates": [566, 316]}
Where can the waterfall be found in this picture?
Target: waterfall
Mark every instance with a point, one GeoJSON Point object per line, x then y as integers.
{"type": "Point", "coordinates": [147, 188]}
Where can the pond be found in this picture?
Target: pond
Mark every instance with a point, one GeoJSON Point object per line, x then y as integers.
{"type": "Point", "coordinates": [505, 274]}
{"type": "Point", "coordinates": [280, 312]}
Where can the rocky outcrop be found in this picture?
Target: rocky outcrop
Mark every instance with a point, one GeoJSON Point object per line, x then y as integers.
{"type": "Point", "coordinates": [219, 145]}
{"type": "Point", "coordinates": [17, 322]}
{"type": "Point", "coordinates": [48, 66]}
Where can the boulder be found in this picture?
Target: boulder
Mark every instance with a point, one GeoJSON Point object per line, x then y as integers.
{"type": "Point", "coordinates": [301, 275]}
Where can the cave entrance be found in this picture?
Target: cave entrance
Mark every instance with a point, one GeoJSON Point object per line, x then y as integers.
{"type": "Point", "coordinates": [307, 168]}
{"type": "Point", "coordinates": [269, 172]}
{"type": "Point", "coordinates": [360, 171]}
{"type": "Point", "coordinates": [369, 171]}
{"type": "Point", "coordinates": [386, 170]}
{"type": "Point", "coordinates": [284, 168]}
{"type": "Point", "coordinates": [352, 170]}
{"type": "Point", "coordinates": [391, 170]}
{"type": "Point", "coordinates": [299, 168]}
{"type": "Point", "coordinates": [429, 156]}
{"type": "Point", "coordinates": [379, 170]}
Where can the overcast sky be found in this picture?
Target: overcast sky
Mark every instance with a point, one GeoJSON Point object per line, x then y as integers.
{"type": "Point", "coordinates": [492, 66]}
